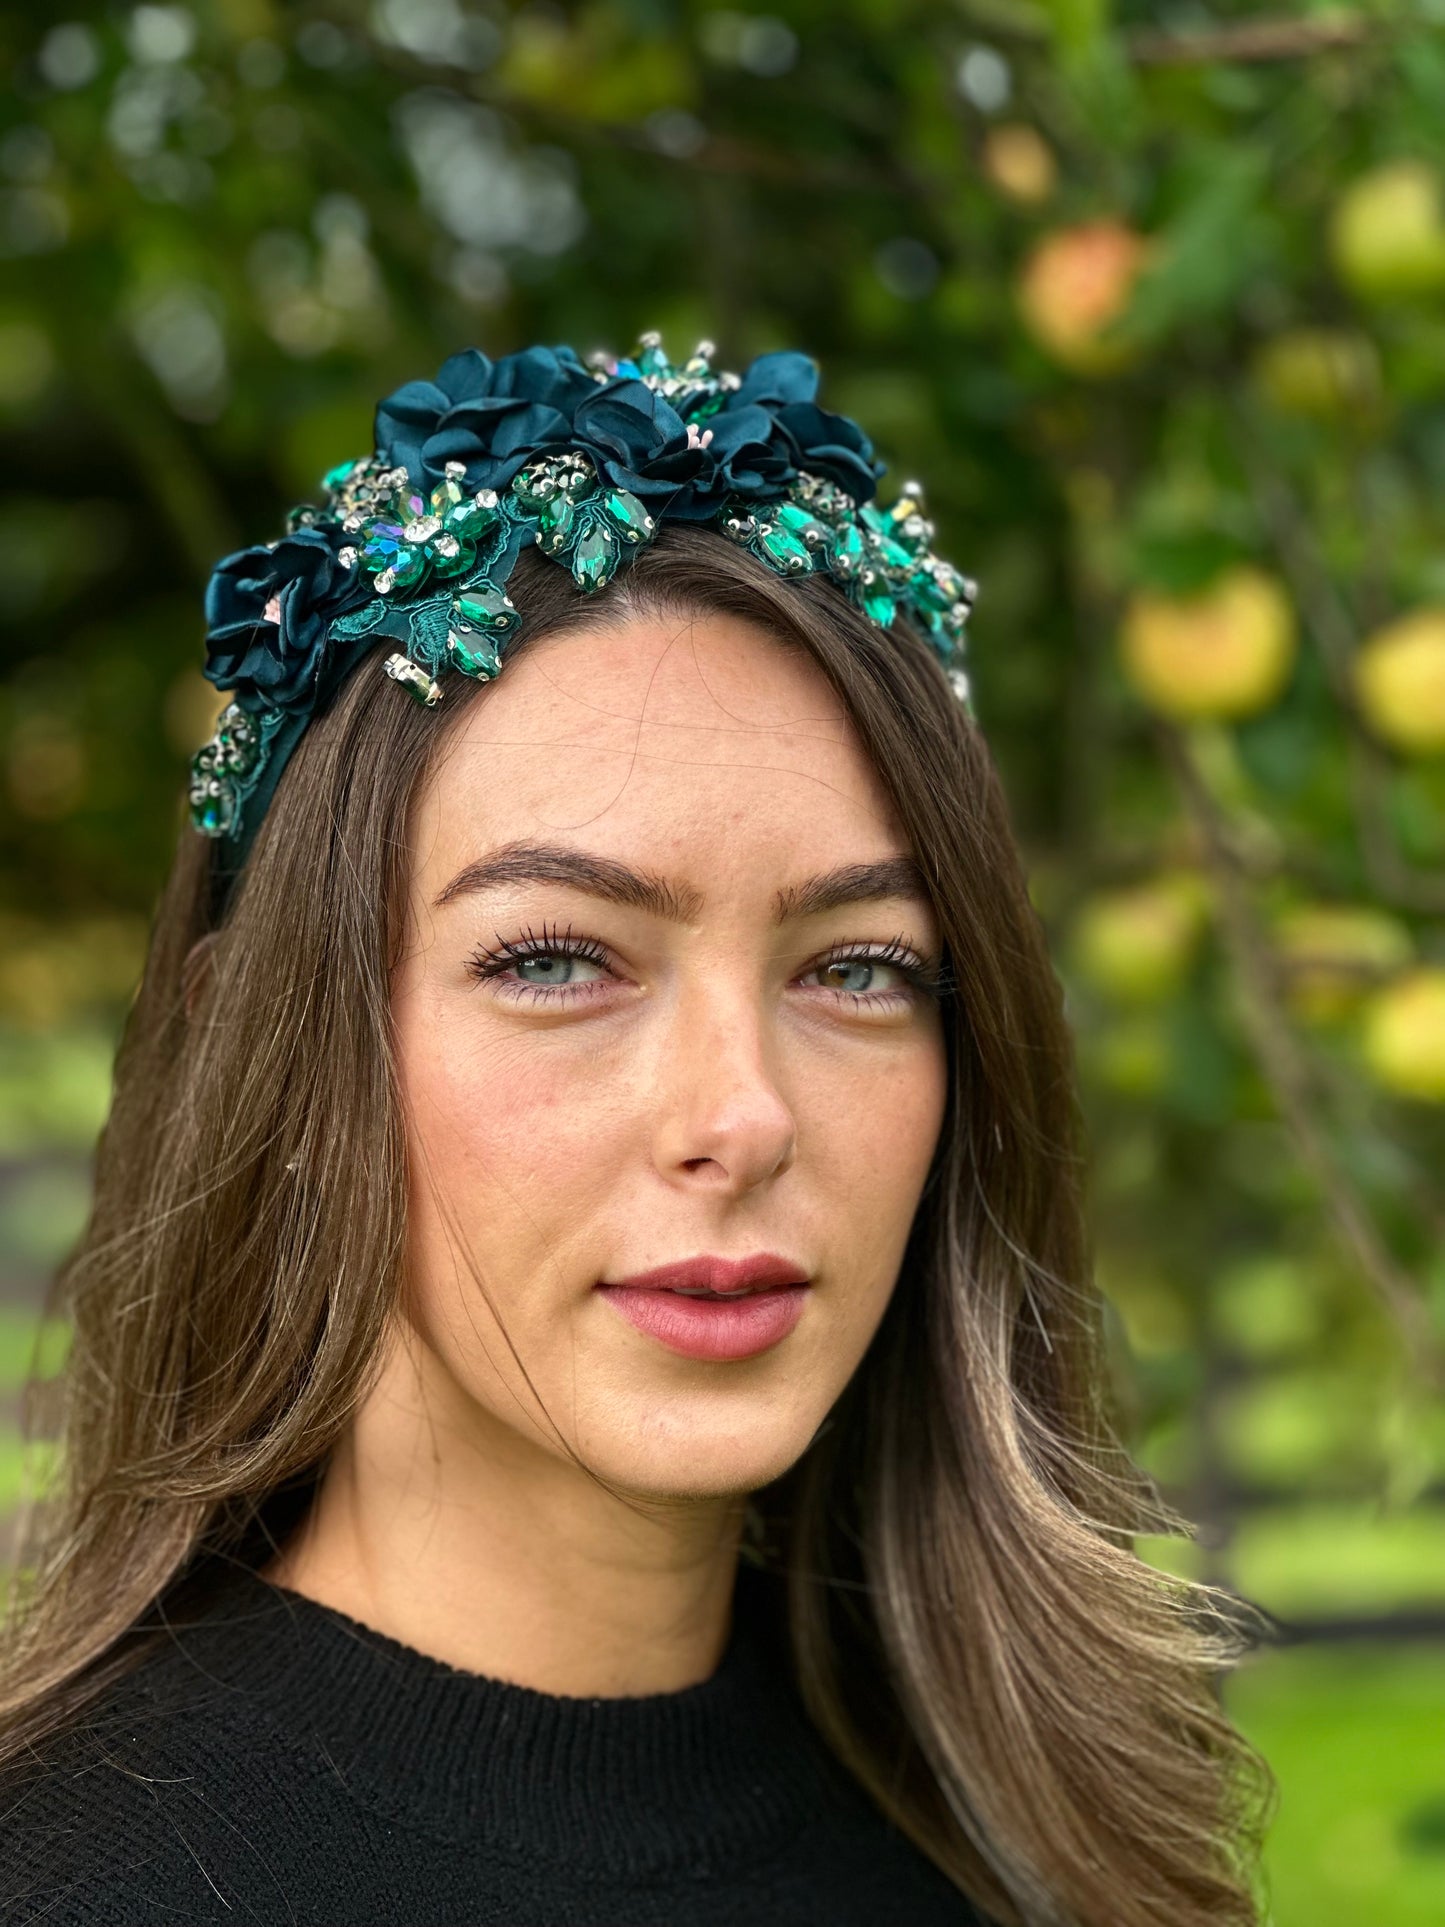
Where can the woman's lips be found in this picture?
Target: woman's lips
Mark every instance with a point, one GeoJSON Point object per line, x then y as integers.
{"type": "Point", "coordinates": [714, 1308]}
{"type": "Point", "coordinates": [711, 1273]}
{"type": "Point", "coordinates": [715, 1329]}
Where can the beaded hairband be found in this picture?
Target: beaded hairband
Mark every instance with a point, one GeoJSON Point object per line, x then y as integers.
{"type": "Point", "coordinates": [416, 542]}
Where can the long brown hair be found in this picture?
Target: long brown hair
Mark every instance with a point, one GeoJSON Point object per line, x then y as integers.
{"type": "Point", "coordinates": [971, 1629]}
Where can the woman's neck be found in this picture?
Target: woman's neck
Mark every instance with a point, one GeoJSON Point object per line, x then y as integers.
{"type": "Point", "coordinates": [464, 1539]}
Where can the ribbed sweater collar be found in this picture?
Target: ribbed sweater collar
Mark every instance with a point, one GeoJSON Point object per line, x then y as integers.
{"type": "Point", "coordinates": [690, 1779]}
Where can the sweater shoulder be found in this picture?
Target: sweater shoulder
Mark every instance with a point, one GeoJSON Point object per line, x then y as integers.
{"type": "Point", "coordinates": [158, 1803]}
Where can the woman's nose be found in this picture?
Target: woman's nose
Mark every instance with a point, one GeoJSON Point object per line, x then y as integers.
{"type": "Point", "coordinates": [720, 1104]}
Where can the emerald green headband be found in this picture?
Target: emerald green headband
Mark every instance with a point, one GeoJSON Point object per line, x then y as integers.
{"type": "Point", "coordinates": [416, 542]}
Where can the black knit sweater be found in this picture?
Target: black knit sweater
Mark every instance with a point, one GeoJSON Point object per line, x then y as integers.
{"type": "Point", "coordinates": [278, 1762]}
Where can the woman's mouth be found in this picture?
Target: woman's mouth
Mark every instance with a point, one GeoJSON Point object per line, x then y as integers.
{"type": "Point", "coordinates": [714, 1309]}
{"type": "Point", "coordinates": [712, 1325]}
{"type": "Point", "coordinates": [701, 1291]}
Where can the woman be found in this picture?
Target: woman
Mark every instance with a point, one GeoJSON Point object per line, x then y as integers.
{"type": "Point", "coordinates": [587, 1400]}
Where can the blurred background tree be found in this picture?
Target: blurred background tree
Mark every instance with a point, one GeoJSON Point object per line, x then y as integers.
{"type": "Point", "coordinates": [1153, 298]}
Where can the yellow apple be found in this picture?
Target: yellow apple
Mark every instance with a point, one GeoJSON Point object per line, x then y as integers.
{"type": "Point", "coordinates": [1019, 161]}
{"type": "Point", "coordinates": [1334, 952]}
{"type": "Point", "coordinates": [1074, 283]}
{"type": "Point", "coordinates": [1399, 677]}
{"type": "Point", "coordinates": [1225, 651]}
{"type": "Point", "coordinates": [1137, 944]}
{"type": "Point", "coordinates": [1387, 231]}
{"type": "Point", "coordinates": [1404, 1034]}
{"type": "Point", "coordinates": [1328, 372]}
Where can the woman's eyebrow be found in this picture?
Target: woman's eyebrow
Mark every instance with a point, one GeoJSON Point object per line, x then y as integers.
{"type": "Point", "coordinates": [615, 882]}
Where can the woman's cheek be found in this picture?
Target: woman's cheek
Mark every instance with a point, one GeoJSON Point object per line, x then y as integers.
{"type": "Point", "coordinates": [883, 1125]}
{"type": "Point", "coordinates": [507, 1119]}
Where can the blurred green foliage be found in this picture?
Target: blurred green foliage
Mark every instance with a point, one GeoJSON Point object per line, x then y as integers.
{"type": "Point", "coordinates": [1153, 301]}
{"type": "Point", "coordinates": [1354, 1737]}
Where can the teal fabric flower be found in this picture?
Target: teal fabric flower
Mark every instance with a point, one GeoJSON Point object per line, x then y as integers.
{"type": "Point", "coordinates": [783, 385]}
{"type": "Point", "coordinates": [267, 612]}
{"type": "Point", "coordinates": [495, 416]}
{"type": "Point", "coordinates": [491, 415]}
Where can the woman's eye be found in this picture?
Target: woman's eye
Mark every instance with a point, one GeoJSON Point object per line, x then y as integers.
{"type": "Point", "coordinates": [864, 977]}
{"type": "Point", "coordinates": [552, 967]}
{"type": "Point", "coordinates": [541, 967]}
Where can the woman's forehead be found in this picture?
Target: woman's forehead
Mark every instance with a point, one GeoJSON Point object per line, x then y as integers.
{"type": "Point", "coordinates": [706, 670]}
{"type": "Point", "coordinates": [656, 739]}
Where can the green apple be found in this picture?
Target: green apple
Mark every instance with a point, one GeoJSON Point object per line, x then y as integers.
{"type": "Point", "coordinates": [1137, 944]}
{"type": "Point", "coordinates": [1387, 232]}
{"type": "Point", "coordinates": [1226, 651]}
{"type": "Point", "coordinates": [1404, 1034]}
{"type": "Point", "coordinates": [1399, 678]}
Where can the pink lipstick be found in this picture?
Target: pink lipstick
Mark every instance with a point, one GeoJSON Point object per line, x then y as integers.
{"type": "Point", "coordinates": [714, 1308]}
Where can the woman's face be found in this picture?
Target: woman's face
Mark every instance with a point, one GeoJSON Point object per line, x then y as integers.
{"type": "Point", "coordinates": [638, 1023]}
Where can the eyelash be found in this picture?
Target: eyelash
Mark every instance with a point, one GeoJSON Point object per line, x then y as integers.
{"type": "Point", "coordinates": [486, 965]}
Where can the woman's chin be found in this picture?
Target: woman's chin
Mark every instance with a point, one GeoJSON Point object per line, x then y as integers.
{"type": "Point", "coordinates": [698, 1462]}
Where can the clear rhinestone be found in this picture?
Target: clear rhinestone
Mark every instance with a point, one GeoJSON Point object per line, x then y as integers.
{"type": "Point", "coordinates": [454, 471]}
{"type": "Point", "coordinates": [385, 582]}
{"type": "Point", "coordinates": [447, 546]}
{"type": "Point", "coordinates": [422, 529]}
{"type": "Point", "coordinates": [346, 557]}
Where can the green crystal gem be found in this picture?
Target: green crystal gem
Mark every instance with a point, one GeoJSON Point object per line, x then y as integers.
{"type": "Point", "coordinates": [791, 555]}
{"type": "Point", "coordinates": [451, 553]}
{"type": "Point", "coordinates": [334, 478]}
{"type": "Point", "coordinates": [474, 654]}
{"type": "Point", "coordinates": [532, 491]}
{"type": "Point", "coordinates": [472, 517]}
{"type": "Point", "coordinates": [848, 549]}
{"type": "Point", "coordinates": [445, 496]}
{"type": "Point", "coordinates": [892, 554]}
{"type": "Point", "coordinates": [483, 608]}
{"type": "Point", "coordinates": [802, 522]}
{"type": "Point", "coordinates": [630, 515]}
{"type": "Point", "coordinates": [878, 605]}
{"type": "Point", "coordinates": [554, 523]}
{"type": "Point", "coordinates": [213, 816]}
{"type": "Point", "coordinates": [595, 558]}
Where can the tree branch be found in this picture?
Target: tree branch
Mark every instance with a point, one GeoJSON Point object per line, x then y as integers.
{"type": "Point", "coordinates": [1251, 40]}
